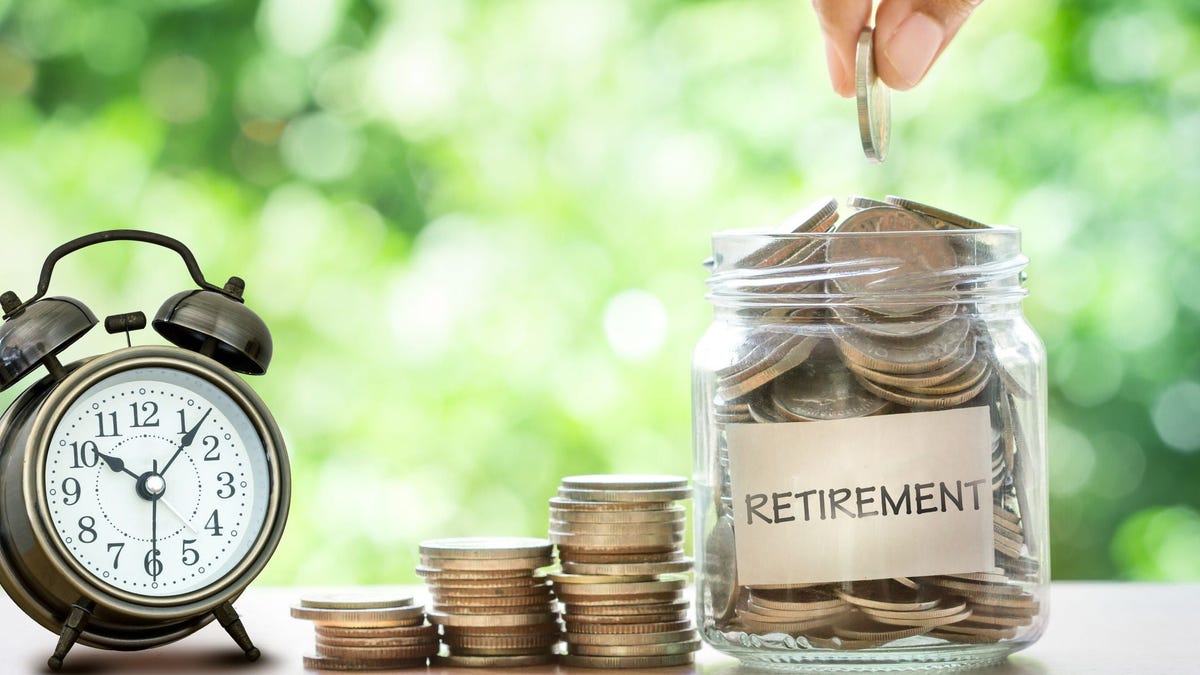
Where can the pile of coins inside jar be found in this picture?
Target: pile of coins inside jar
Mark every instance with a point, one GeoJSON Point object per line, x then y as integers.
{"type": "Point", "coordinates": [620, 544]}
{"type": "Point", "coordinates": [494, 608]}
{"type": "Point", "coordinates": [859, 326]}
{"type": "Point", "coordinates": [367, 631]}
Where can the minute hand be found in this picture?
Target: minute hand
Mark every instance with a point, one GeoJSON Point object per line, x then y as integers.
{"type": "Point", "coordinates": [187, 440]}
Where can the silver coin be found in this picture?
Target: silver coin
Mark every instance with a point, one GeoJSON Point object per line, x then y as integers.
{"type": "Point", "coordinates": [720, 570]}
{"type": "Point", "coordinates": [952, 220]}
{"type": "Point", "coordinates": [874, 100]}
{"type": "Point", "coordinates": [822, 389]}
{"type": "Point", "coordinates": [905, 356]}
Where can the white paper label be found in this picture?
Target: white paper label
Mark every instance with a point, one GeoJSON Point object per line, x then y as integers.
{"type": "Point", "coordinates": [863, 498]}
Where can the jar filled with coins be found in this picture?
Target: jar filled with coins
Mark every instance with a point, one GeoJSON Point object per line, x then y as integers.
{"type": "Point", "coordinates": [870, 468]}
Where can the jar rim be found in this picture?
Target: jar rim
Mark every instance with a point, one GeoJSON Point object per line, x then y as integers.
{"type": "Point", "coordinates": [750, 232]}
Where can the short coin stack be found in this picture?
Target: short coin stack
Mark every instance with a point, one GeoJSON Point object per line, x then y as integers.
{"type": "Point", "coordinates": [620, 540]}
{"type": "Point", "coordinates": [494, 608]}
{"type": "Point", "coordinates": [367, 631]}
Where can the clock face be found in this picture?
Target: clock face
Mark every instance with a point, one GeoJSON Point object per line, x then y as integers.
{"type": "Point", "coordinates": [156, 482]}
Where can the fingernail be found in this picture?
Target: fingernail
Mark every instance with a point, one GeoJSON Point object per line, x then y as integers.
{"type": "Point", "coordinates": [837, 69]}
{"type": "Point", "coordinates": [913, 46]}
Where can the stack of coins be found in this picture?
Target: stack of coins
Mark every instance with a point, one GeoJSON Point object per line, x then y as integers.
{"type": "Point", "coordinates": [367, 631]}
{"type": "Point", "coordinates": [856, 358]}
{"type": "Point", "coordinates": [620, 544]}
{"type": "Point", "coordinates": [494, 608]}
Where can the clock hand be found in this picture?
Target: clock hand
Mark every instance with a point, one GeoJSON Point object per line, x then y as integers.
{"type": "Point", "coordinates": [177, 515]}
{"type": "Point", "coordinates": [154, 527]}
{"type": "Point", "coordinates": [116, 464]}
{"type": "Point", "coordinates": [187, 440]}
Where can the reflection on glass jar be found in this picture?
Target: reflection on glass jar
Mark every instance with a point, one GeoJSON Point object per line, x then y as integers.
{"type": "Point", "coordinates": [869, 416]}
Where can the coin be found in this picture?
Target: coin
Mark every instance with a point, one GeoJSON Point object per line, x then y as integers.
{"type": "Point", "coordinates": [486, 564]}
{"type": "Point", "coordinates": [366, 618]}
{"type": "Point", "coordinates": [632, 529]}
{"type": "Point", "coordinates": [493, 661]}
{"type": "Point", "coordinates": [633, 628]}
{"type": "Point", "coordinates": [376, 653]}
{"type": "Point", "coordinates": [859, 202]}
{"type": "Point", "coordinates": [503, 641]}
{"type": "Point", "coordinates": [874, 100]}
{"type": "Point", "coordinates": [682, 635]}
{"type": "Point", "coordinates": [573, 505]}
{"type": "Point", "coordinates": [490, 548]}
{"type": "Point", "coordinates": [355, 600]}
{"type": "Point", "coordinates": [619, 588]}
{"type": "Point", "coordinates": [448, 619]}
{"type": "Point", "coordinates": [549, 627]}
{"type": "Point", "coordinates": [952, 220]}
{"type": "Point", "coordinates": [628, 569]}
{"type": "Point", "coordinates": [580, 661]}
{"type": "Point", "coordinates": [423, 631]}
{"type": "Point", "coordinates": [822, 389]}
{"type": "Point", "coordinates": [720, 586]}
{"type": "Point", "coordinates": [659, 649]}
{"type": "Point", "coordinates": [779, 360]}
{"type": "Point", "coordinates": [620, 495]}
{"type": "Point", "coordinates": [378, 642]}
{"type": "Point", "coordinates": [669, 515]}
{"type": "Point", "coordinates": [329, 663]}
{"type": "Point", "coordinates": [904, 357]}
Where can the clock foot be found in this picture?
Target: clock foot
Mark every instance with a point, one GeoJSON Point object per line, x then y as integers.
{"type": "Point", "coordinates": [77, 620]}
{"type": "Point", "coordinates": [229, 620]}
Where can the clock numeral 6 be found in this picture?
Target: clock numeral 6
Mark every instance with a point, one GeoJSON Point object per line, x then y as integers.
{"type": "Point", "coordinates": [83, 455]}
{"type": "Point", "coordinates": [152, 564]}
{"type": "Point", "coordinates": [87, 529]}
{"type": "Point", "coordinates": [190, 555]}
{"type": "Point", "coordinates": [226, 480]}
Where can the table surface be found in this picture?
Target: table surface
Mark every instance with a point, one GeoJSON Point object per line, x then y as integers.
{"type": "Point", "coordinates": [1094, 628]}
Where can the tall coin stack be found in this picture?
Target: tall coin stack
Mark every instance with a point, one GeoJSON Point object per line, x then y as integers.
{"type": "Point", "coordinates": [494, 608]}
{"type": "Point", "coordinates": [367, 631]}
{"type": "Point", "coordinates": [620, 543]}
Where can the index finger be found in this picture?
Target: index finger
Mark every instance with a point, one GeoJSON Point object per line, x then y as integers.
{"type": "Point", "coordinates": [841, 22]}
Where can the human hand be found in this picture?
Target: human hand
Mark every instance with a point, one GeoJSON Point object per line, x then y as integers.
{"type": "Point", "coordinates": [909, 37]}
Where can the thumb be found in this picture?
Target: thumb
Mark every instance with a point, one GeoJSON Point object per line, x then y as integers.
{"type": "Point", "coordinates": [911, 34]}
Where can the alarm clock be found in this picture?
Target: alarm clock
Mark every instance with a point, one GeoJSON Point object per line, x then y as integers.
{"type": "Point", "coordinates": [140, 490]}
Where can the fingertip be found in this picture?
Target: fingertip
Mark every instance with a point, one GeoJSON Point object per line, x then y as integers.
{"type": "Point", "coordinates": [839, 73]}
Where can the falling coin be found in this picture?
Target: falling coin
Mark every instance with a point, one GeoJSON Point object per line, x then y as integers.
{"type": "Point", "coordinates": [874, 105]}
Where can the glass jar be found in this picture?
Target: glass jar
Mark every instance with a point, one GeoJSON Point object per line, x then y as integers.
{"type": "Point", "coordinates": [870, 471]}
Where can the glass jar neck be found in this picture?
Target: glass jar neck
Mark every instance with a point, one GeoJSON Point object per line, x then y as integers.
{"type": "Point", "coordinates": [786, 276]}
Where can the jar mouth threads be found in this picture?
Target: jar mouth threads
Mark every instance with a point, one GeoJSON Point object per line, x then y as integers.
{"type": "Point", "coordinates": [880, 258]}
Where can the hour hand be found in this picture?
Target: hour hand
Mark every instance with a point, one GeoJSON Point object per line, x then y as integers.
{"type": "Point", "coordinates": [115, 463]}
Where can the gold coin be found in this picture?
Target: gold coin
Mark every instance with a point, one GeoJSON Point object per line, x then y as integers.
{"type": "Point", "coordinates": [628, 588]}
{"type": "Point", "coordinates": [573, 621]}
{"type": "Point", "coordinates": [656, 608]}
{"type": "Point", "coordinates": [447, 619]}
{"type": "Point", "coordinates": [419, 632]}
{"type": "Point", "coordinates": [493, 661]}
{"type": "Point", "coordinates": [590, 557]}
{"type": "Point", "coordinates": [485, 564]}
{"type": "Point", "coordinates": [636, 496]}
{"type": "Point", "coordinates": [606, 628]}
{"type": "Point", "coordinates": [376, 653]}
{"type": "Point", "coordinates": [490, 548]}
{"type": "Point", "coordinates": [669, 529]}
{"type": "Point", "coordinates": [380, 599]}
{"type": "Point", "coordinates": [573, 505]}
{"type": "Point", "coordinates": [595, 578]}
{"type": "Point", "coordinates": [580, 661]}
{"type": "Point", "coordinates": [672, 514]}
{"type": "Point", "coordinates": [377, 642]}
{"type": "Point", "coordinates": [328, 663]}
{"type": "Point", "coordinates": [438, 574]}
{"type": "Point", "coordinates": [502, 641]}
{"type": "Point", "coordinates": [625, 481]}
{"type": "Point", "coordinates": [364, 618]}
{"type": "Point", "coordinates": [660, 649]}
{"type": "Point", "coordinates": [628, 570]}
{"type": "Point", "coordinates": [681, 635]}
{"type": "Point", "coordinates": [457, 632]}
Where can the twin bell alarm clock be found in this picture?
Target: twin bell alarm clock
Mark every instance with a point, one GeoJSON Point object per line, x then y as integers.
{"type": "Point", "coordinates": [140, 490]}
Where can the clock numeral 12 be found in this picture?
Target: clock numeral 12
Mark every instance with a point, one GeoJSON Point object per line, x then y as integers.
{"type": "Point", "coordinates": [149, 407]}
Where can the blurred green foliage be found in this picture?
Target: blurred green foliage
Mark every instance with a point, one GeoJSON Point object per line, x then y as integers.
{"type": "Point", "coordinates": [475, 229]}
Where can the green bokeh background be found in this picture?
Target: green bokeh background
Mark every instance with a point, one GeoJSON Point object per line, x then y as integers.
{"type": "Point", "coordinates": [475, 229]}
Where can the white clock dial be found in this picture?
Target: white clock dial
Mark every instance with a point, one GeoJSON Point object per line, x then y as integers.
{"type": "Point", "coordinates": [156, 482]}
